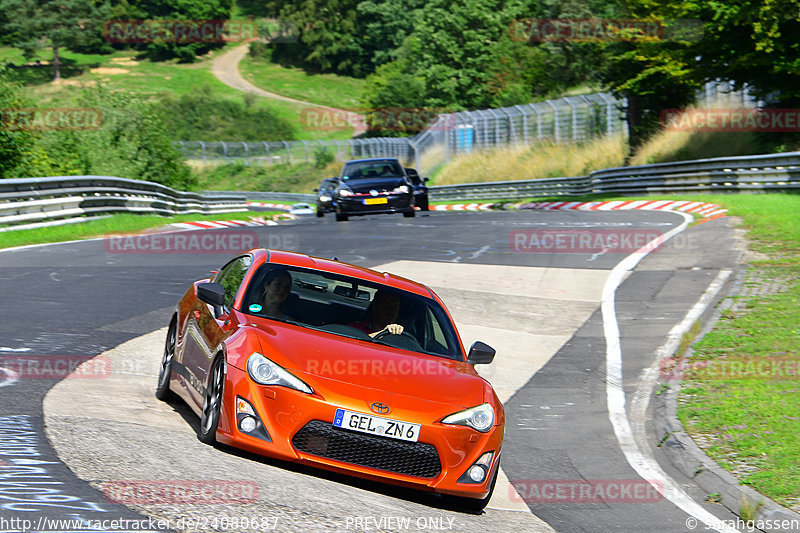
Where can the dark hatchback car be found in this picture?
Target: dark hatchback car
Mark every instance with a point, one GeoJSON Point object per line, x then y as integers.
{"type": "Point", "coordinates": [369, 186]}
{"type": "Point", "coordinates": [420, 189]}
{"type": "Point", "coordinates": [325, 196]}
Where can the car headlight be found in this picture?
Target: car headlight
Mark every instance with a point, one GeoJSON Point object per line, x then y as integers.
{"type": "Point", "coordinates": [401, 189]}
{"type": "Point", "coordinates": [325, 198]}
{"type": "Point", "coordinates": [480, 418]}
{"type": "Point", "coordinates": [345, 192]}
{"type": "Point", "coordinates": [266, 372]}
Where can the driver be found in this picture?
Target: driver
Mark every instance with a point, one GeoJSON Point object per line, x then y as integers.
{"type": "Point", "coordinates": [381, 315]}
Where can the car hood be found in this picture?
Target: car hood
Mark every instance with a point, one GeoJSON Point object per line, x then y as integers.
{"type": "Point", "coordinates": [322, 359]}
{"type": "Point", "coordinates": [364, 185]}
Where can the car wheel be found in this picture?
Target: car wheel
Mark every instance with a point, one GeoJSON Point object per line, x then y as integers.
{"type": "Point", "coordinates": [423, 205]}
{"type": "Point", "coordinates": [409, 214]}
{"type": "Point", "coordinates": [341, 217]}
{"type": "Point", "coordinates": [212, 404]}
{"type": "Point", "coordinates": [163, 392]}
{"type": "Point", "coordinates": [320, 214]}
{"type": "Point", "coordinates": [471, 504]}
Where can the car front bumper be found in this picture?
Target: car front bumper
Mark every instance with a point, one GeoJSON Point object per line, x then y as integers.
{"type": "Point", "coordinates": [300, 429]}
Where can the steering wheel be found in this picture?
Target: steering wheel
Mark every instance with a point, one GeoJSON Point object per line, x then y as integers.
{"type": "Point", "coordinates": [406, 340]}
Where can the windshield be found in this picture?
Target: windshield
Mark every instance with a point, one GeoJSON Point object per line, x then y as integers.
{"type": "Point", "coordinates": [351, 307]}
{"type": "Point", "coordinates": [386, 168]}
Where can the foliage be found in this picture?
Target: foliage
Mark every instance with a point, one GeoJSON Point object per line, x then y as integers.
{"type": "Point", "coordinates": [183, 10]}
{"type": "Point", "coordinates": [13, 144]}
{"type": "Point", "coordinates": [133, 142]}
{"type": "Point", "coordinates": [322, 157]}
{"type": "Point", "coordinates": [202, 117]}
{"type": "Point", "coordinates": [301, 177]}
{"type": "Point", "coordinates": [56, 24]}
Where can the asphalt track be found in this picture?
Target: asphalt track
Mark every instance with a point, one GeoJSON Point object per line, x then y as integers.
{"type": "Point", "coordinates": [78, 300]}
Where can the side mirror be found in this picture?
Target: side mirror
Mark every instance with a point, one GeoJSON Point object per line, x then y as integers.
{"type": "Point", "coordinates": [316, 190]}
{"type": "Point", "coordinates": [480, 354]}
{"type": "Point", "coordinates": [212, 294]}
{"type": "Point", "coordinates": [425, 180]}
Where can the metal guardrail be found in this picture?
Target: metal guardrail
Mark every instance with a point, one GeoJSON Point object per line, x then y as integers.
{"type": "Point", "coordinates": [35, 200]}
{"type": "Point", "coordinates": [277, 197]}
{"type": "Point", "coordinates": [771, 172]}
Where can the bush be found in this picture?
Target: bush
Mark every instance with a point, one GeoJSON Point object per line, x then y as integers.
{"type": "Point", "coordinates": [200, 117]}
{"type": "Point", "coordinates": [322, 157]}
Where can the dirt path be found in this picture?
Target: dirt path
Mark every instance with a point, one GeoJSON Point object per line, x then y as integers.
{"type": "Point", "coordinates": [226, 68]}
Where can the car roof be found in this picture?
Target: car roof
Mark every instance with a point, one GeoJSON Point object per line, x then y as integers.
{"type": "Point", "coordinates": [372, 159]}
{"type": "Point", "coordinates": [337, 267]}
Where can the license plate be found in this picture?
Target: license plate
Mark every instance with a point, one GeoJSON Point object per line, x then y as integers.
{"type": "Point", "coordinates": [375, 425]}
{"type": "Point", "coordinates": [373, 201]}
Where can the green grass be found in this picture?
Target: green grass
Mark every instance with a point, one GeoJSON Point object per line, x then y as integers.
{"type": "Point", "coordinates": [146, 78]}
{"type": "Point", "coordinates": [325, 89]}
{"type": "Point", "coordinates": [115, 224]}
{"type": "Point", "coordinates": [754, 424]}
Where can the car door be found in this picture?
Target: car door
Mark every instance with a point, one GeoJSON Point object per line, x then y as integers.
{"type": "Point", "coordinates": [206, 332]}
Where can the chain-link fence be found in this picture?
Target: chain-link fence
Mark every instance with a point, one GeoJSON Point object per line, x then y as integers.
{"type": "Point", "coordinates": [564, 120]}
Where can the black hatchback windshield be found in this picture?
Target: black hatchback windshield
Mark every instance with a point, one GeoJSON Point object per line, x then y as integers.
{"type": "Point", "coordinates": [384, 168]}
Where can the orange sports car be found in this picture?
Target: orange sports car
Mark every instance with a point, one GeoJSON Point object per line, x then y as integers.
{"type": "Point", "coordinates": [336, 366]}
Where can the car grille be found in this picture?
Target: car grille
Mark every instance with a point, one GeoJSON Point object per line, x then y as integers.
{"type": "Point", "coordinates": [409, 458]}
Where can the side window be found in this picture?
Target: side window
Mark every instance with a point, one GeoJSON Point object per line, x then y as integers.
{"type": "Point", "coordinates": [231, 276]}
{"type": "Point", "coordinates": [438, 334]}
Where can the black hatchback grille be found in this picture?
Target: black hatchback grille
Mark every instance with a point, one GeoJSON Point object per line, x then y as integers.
{"type": "Point", "coordinates": [409, 458]}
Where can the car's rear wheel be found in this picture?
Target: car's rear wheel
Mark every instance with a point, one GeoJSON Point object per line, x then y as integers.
{"type": "Point", "coordinates": [341, 217]}
{"type": "Point", "coordinates": [212, 404]}
{"type": "Point", "coordinates": [163, 392]}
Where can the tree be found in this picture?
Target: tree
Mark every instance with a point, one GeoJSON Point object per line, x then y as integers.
{"type": "Point", "coordinates": [55, 24]}
{"type": "Point", "coordinates": [13, 144]}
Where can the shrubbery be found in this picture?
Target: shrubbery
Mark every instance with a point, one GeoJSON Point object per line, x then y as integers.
{"type": "Point", "coordinates": [201, 117]}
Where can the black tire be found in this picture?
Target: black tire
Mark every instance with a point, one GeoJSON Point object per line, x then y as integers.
{"type": "Point", "coordinates": [320, 214]}
{"type": "Point", "coordinates": [212, 404]}
{"type": "Point", "coordinates": [410, 214]}
{"type": "Point", "coordinates": [163, 391]}
{"type": "Point", "coordinates": [423, 205]}
{"type": "Point", "coordinates": [341, 217]}
{"type": "Point", "coordinates": [471, 504]}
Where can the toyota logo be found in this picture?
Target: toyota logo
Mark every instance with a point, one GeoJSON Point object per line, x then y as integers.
{"type": "Point", "coordinates": [380, 408]}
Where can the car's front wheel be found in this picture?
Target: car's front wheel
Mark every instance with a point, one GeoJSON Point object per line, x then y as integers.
{"type": "Point", "coordinates": [163, 392]}
{"type": "Point", "coordinates": [409, 214]}
{"type": "Point", "coordinates": [212, 404]}
{"type": "Point", "coordinates": [341, 217]}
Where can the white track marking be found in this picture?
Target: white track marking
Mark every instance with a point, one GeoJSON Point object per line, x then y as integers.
{"type": "Point", "coordinates": [7, 377]}
{"type": "Point", "coordinates": [644, 465]}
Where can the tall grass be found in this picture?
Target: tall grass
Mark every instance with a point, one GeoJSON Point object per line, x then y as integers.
{"type": "Point", "coordinates": [542, 160]}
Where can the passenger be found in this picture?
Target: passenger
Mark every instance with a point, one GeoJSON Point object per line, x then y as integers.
{"type": "Point", "coordinates": [381, 315]}
{"type": "Point", "coordinates": [277, 287]}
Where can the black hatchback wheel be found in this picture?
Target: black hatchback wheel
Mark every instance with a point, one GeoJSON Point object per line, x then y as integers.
{"type": "Point", "coordinates": [212, 404]}
{"type": "Point", "coordinates": [163, 392]}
